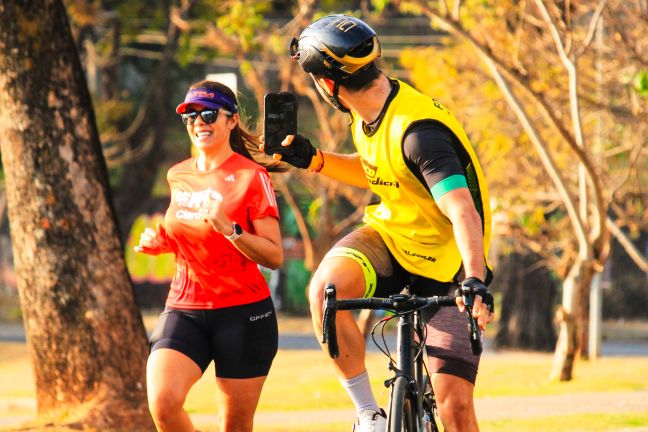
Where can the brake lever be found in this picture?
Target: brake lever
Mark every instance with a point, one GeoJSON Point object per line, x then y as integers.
{"type": "Point", "coordinates": [467, 295]}
{"type": "Point", "coordinates": [329, 335]}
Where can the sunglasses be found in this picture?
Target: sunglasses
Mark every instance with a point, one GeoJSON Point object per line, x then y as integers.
{"type": "Point", "coordinates": [209, 116]}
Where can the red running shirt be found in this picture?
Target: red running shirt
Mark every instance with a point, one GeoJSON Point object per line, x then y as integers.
{"type": "Point", "coordinates": [210, 272]}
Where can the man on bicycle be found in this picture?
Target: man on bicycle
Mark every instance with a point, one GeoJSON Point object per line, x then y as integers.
{"type": "Point", "coordinates": [430, 225]}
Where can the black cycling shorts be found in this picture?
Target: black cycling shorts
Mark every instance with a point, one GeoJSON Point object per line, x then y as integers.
{"type": "Point", "coordinates": [242, 340]}
{"type": "Point", "coordinates": [447, 342]}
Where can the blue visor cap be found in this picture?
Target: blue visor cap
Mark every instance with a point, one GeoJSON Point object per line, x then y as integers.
{"type": "Point", "coordinates": [208, 98]}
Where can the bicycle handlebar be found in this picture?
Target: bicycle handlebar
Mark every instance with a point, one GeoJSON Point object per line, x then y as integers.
{"type": "Point", "coordinates": [396, 303]}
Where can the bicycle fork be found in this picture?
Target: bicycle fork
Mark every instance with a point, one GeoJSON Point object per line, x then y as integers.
{"type": "Point", "coordinates": [410, 366]}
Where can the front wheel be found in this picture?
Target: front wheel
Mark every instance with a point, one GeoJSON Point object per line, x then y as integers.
{"type": "Point", "coordinates": [429, 406]}
{"type": "Point", "coordinates": [401, 416]}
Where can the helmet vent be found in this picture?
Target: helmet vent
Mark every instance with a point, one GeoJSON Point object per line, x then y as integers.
{"type": "Point", "coordinates": [363, 50]}
{"type": "Point", "coordinates": [309, 60]}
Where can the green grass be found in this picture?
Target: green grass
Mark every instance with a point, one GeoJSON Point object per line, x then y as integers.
{"type": "Point", "coordinates": [527, 374]}
{"type": "Point", "coordinates": [305, 380]}
{"type": "Point", "coordinates": [576, 423]}
{"type": "Point", "coordinates": [298, 380]}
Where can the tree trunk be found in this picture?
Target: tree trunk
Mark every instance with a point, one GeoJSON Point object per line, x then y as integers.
{"type": "Point", "coordinates": [85, 334]}
{"type": "Point", "coordinates": [528, 292]}
{"type": "Point", "coordinates": [569, 344]}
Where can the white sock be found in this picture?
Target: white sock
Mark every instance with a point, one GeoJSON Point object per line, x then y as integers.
{"type": "Point", "coordinates": [359, 388]}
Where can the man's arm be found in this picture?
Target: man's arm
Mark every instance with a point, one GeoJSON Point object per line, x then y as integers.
{"type": "Point", "coordinates": [341, 167]}
{"type": "Point", "coordinates": [458, 206]}
{"type": "Point", "coordinates": [431, 156]}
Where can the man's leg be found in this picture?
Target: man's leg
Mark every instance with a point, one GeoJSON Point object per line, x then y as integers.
{"type": "Point", "coordinates": [359, 265]}
{"type": "Point", "coordinates": [454, 369]}
{"type": "Point", "coordinates": [349, 282]}
{"type": "Point", "coordinates": [454, 398]}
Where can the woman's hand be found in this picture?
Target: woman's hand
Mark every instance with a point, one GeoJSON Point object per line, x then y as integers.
{"type": "Point", "coordinates": [212, 210]}
{"type": "Point", "coordinates": [153, 241]}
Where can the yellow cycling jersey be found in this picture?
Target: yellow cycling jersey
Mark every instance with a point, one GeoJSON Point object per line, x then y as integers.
{"type": "Point", "coordinates": [417, 233]}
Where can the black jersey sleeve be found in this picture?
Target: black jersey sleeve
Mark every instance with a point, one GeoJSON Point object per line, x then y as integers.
{"type": "Point", "coordinates": [429, 152]}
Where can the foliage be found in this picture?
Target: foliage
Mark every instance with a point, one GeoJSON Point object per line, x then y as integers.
{"type": "Point", "coordinates": [640, 83]}
{"type": "Point", "coordinates": [512, 32]}
{"type": "Point", "coordinates": [504, 151]}
{"type": "Point", "coordinates": [244, 19]}
{"type": "Point", "coordinates": [526, 205]}
{"type": "Point", "coordinates": [147, 268]}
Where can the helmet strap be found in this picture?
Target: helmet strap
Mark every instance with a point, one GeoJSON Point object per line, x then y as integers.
{"type": "Point", "coordinates": [333, 87]}
{"type": "Point", "coordinates": [334, 98]}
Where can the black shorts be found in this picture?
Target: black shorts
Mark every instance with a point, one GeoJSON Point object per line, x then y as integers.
{"type": "Point", "coordinates": [242, 340]}
{"type": "Point", "coordinates": [447, 342]}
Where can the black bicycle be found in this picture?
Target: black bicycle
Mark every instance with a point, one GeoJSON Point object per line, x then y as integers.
{"type": "Point", "coordinates": [412, 406]}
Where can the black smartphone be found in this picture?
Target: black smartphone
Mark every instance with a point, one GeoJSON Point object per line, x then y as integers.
{"type": "Point", "coordinates": [279, 120]}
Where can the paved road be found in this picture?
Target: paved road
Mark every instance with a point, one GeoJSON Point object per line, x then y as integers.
{"type": "Point", "coordinates": [296, 341]}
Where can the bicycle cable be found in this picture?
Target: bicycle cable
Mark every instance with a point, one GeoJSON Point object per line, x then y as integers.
{"type": "Point", "coordinates": [386, 350]}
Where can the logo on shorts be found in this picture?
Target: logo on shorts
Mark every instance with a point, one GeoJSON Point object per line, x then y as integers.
{"type": "Point", "coordinates": [418, 255]}
{"type": "Point", "coordinates": [258, 317]}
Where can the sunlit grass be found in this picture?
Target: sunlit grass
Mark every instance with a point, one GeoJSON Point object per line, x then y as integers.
{"type": "Point", "coordinates": [305, 381]}
{"type": "Point", "coordinates": [527, 374]}
{"type": "Point", "coordinates": [577, 423]}
{"type": "Point", "coordinates": [299, 380]}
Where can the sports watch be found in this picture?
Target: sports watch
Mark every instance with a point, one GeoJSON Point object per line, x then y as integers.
{"type": "Point", "coordinates": [238, 231]}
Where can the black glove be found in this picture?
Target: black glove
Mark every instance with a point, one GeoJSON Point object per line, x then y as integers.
{"type": "Point", "coordinates": [300, 152]}
{"type": "Point", "coordinates": [472, 286]}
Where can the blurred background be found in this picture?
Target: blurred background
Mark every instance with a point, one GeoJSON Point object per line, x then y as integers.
{"type": "Point", "coordinates": [553, 95]}
{"type": "Point", "coordinates": [139, 58]}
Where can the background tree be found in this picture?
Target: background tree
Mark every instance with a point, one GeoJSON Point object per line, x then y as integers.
{"type": "Point", "coordinates": [84, 332]}
{"type": "Point", "coordinates": [540, 56]}
{"type": "Point", "coordinates": [133, 123]}
{"type": "Point", "coordinates": [521, 232]}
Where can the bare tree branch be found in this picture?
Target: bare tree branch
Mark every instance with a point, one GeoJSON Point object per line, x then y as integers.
{"type": "Point", "coordinates": [627, 245]}
{"type": "Point", "coordinates": [283, 182]}
{"type": "Point", "coordinates": [545, 156]}
{"type": "Point", "coordinates": [592, 27]}
{"type": "Point", "coordinates": [635, 150]}
{"type": "Point", "coordinates": [455, 9]}
{"type": "Point", "coordinates": [455, 28]}
{"type": "Point", "coordinates": [598, 228]}
{"type": "Point", "coordinates": [354, 217]}
{"type": "Point", "coordinates": [621, 31]}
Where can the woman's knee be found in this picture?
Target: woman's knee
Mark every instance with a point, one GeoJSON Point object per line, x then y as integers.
{"type": "Point", "coordinates": [165, 404]}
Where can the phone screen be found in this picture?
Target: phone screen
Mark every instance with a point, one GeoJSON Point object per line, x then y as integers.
{"type": "Point", "coordinates": [280, 120]}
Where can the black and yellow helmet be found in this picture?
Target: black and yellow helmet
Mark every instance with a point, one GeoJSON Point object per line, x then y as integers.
{"type": "Point", "coordinates": [336, 47]}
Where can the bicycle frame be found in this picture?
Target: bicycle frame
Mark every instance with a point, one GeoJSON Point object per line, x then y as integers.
{"type": "Point", "coordinates": [410, 362]}
{"type": "Point", "coordinates": [408, 384]}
